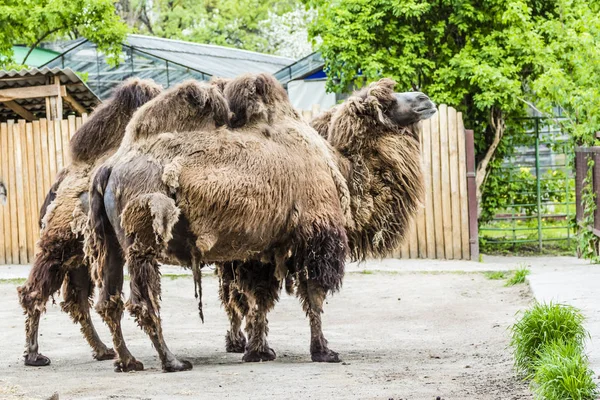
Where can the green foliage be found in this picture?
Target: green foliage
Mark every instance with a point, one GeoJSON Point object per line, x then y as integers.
{"type": "Point", "coordinates": [542, 325]}
{"type": "Point", "coordinates": [233, 23]}
{"type": "Point", "coordinates": [518, 277]}
{"type": "Point", "coordinates": [562, 372]}
{"type": "Point", "coordinates": [507, 187]}
{"type": "Point", "coordinates": [31, 21]}
{"type": "Point", "coordinates": [495, 275]}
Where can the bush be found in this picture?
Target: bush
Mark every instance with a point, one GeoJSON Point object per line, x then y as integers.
{"type": "Point", "coordinates": [542, 325]}
{"type": "Point", "coordinates": [562, 372]}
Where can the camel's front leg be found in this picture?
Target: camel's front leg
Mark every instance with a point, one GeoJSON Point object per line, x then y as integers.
{"type": "Point", "coordinates": [78, 290]}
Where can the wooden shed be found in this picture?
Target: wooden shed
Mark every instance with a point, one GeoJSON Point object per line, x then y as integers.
{"type": "Point", "coordinates": [31, 94]}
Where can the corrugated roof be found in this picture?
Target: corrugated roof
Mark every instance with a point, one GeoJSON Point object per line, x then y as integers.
{"type": "Point", "coordinates": [34, 77]}
{"type": "Point", "coordinates": [214, 60]}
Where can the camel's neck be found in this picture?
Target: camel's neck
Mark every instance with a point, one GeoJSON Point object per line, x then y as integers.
{"type": "Point", "coordinates": [385, 181]}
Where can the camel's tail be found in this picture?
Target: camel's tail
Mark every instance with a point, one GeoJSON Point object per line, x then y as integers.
{"type": "Point", "coordinates": [100, 233]}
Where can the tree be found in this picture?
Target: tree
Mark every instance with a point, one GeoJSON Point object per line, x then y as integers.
{"type": "Point", "coordinates": [476, 55]}
{"type": "Point", "coordinates": [234, 23]}
{"type": "Point", "coordinates": [287, 34]}
{"type": "Point", "coordinates": [30, 22]}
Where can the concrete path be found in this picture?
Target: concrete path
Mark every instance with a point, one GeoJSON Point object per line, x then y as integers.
{"type": "Point", "coordinates": [562, 279]}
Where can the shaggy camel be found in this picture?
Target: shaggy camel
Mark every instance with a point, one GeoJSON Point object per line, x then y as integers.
{"type": "Point", "coordinates": [60, 260]}
{"type": "Point", "coordinates": [267, 190]}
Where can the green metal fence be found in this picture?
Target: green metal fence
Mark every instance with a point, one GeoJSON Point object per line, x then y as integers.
{"type": "Point", "coordinates": [537, 188]}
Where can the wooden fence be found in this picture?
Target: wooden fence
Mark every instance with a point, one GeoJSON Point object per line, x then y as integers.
{"type": "Point", "coordinates": [582, 156]}
{"type": "Point", "coordinates": [31, 153]}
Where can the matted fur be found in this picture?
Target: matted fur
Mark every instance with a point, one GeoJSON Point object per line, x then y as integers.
{"type": "Point", "coordinates": [87, 145]}
{"type": "Point", "coordinates": [64, 213]}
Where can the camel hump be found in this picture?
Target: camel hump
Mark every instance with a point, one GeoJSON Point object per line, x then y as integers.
{"type": "Point", "coordinates": [189, 106]}
{"type": "Point", "coordinates": [105, 128]}
{"type": "Point", "coordinates": [256, 97]}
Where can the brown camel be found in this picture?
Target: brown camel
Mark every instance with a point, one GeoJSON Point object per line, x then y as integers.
{"type": "Point", "coordinates": [60, 260]}
{"type": "Point", "coordinates": [269, 190]}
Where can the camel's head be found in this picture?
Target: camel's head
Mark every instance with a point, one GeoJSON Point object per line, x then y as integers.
{"type": "Point", "coordinates": [255, 97]}
{"type": "Point", "coordinates": [394, 109]}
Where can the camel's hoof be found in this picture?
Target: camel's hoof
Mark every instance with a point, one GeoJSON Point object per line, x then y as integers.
{"type": "Point", "coordinates": [108, 354]}
{"type": "Point", "coordinates": [257, 356]}
{"type": "Point", "coordinates": [36, 360]}
{"type": "Point", "coordinates": [128, 366]}
{"type": "Point", "coordinates": [235, 346]}
{"type": "Point", "coordinates": [326, 356]}
{"type": "Point", "coordinates": [177, 365]}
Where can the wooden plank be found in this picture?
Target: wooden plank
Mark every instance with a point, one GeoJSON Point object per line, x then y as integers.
{"type": "Point", "coordinates": [33, 211]}
{"type": "Point", "coordinates": [436, 186]}
{"type": "Point", "coordinates": [84, 117]}
{"type": "Point", "coordinates": [454, 185]}
{"type": "Point", "coordinates": [12, 198]}
{"type": "Point", "coordinates": [51, 150]}
{"type": "Point", "coordinates": [5, 242]}
{"type": "Point", "coordinates": [421, 231]}
{"type": "Point", "coordinates": [78, 123]}
{"type": "Point", "coordinates": [64, 132]}
{"type": "Point", "coordinates": [464, 196]}
{"type": "Point", "coordinates": [63, 92]}
{"type": "Point", "coordinates": [22, 192]}
{"type": "Point", "coordinates": [72, 127]}
{"type": "Point", "coordinates": [38, 155]}
{"type": "Point", "coordinates": [74, 103]}
{"type": "Point", "coordinates": [45, 157]}
{"type": "Point", "coordinates": [413, 242]}
{"type": "Point", "coordinates": [405, 247]}
{"type": "Point", "coordinates": [60, 159]}
{"type": "Point", "coordinates": [20, 111]}
{"type": "Point", "coordinates": [445, 180]}
{"type": "Point", "coordinates": [472, 192]}
{"type": "Point", "coordinates": [429, 216]}
{"type": "Point", "coordinates": [31, 92]}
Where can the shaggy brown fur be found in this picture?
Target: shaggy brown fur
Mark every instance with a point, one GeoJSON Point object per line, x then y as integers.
{"type": "Point", "coordinates": [268, 190]}
{"type": "Point", "coordinates": [63, 216]}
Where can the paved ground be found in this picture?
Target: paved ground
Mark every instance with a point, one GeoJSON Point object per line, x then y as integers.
{"type": "Point", "coordinates": [411, 330]}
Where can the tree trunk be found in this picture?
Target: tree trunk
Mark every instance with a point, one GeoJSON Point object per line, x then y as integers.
{"type": "Point", "coordinates": [498, 125]}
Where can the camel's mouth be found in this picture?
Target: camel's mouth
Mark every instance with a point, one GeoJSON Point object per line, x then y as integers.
{"type": "Point", "coordinates": [427, 112]}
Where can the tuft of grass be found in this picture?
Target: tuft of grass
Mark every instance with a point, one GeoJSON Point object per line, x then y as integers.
{"type": "Point", "coordinates": [518, 276]}
{"type": "Point", "coordinates": [562, 372]}
{"type": "Point", "coordinates": [495, 275]}
{"type": "Point", "coordinates": [542, 325]}
{"type": "Point", "coordinates": [14, 281]}
{"type": "Point", "coordinates": [366, 272]}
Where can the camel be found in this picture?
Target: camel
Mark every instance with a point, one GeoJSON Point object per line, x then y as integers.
{"type": "Point", "coordinates": [264, 190]}
{"type": "Point", "coordinates": [60, 260]}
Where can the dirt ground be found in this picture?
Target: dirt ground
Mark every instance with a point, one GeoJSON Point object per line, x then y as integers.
{"type": "Point", "coordinates": [401, 336]}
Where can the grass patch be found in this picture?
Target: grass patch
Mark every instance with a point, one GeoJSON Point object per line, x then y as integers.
{"type": "Point", "coordinates": [518, 277]}
{"type": "Point", "coordinates": [495, 275]}
{"type": "Point", "coordinates": [562, 371]}
{"type": "Point", "coordinates": [366, 272]}
{"type": "Point", "coordinates": [541, 325]}
{"type": "Point", "coordinates": [14, 281]}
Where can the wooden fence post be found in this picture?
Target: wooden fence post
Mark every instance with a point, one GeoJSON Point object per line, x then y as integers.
{"type": "Point", "coordinates": [472, 191]}
{"type": "Point", "coordinates": [580, 173]}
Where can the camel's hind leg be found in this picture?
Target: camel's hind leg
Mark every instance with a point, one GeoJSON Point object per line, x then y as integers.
{"type": "Point", "coordinates": [236, 307]}
{"type": "Point", "coordinates": [77, 294]}
{"type": "Point", "coordinates": [106, 252]}
{"type": "Point", "coordinates": [44, 280]}
{"type": "Point", "coordinates": [147, 222]}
